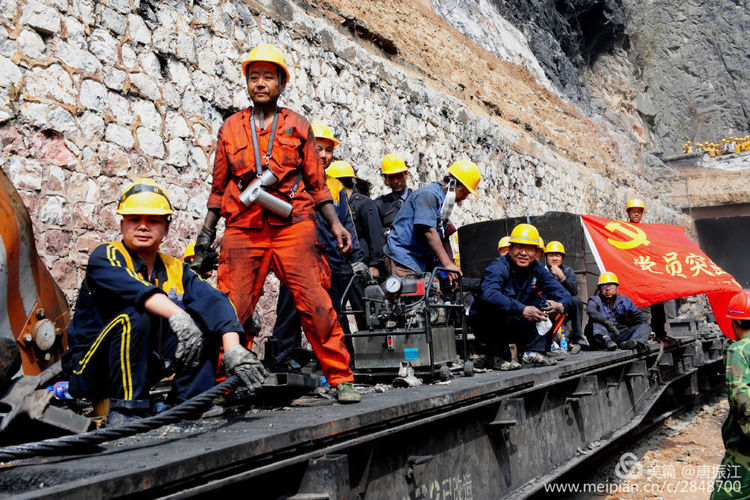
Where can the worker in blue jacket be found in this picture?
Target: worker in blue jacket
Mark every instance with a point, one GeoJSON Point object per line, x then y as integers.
{"type": "Point", "coordinates": [519, 295]}
{"type": "Point", "coordinates": [614, 321]}
{"type": "Point", "coordinates": [142, 315]}
{"type": "Point", "coordinates": [419, 236]}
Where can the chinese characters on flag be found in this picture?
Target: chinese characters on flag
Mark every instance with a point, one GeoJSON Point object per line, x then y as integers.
{"type": "Point", "coordinates": [658, 262]}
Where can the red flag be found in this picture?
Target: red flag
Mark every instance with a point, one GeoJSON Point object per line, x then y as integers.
{"type": "Point", "coordinates": [658, 262]}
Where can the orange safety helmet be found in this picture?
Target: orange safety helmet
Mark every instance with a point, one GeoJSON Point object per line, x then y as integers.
{"type": "Point", "coordinates": [739, 306]}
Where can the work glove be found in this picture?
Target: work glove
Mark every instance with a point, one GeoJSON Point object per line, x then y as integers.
{"type": "Point", "coordinates": [239, 361]}
{"type": "Point", "coordinates": [189, 339]}
{"type": "Point", "coordinates": [205, 255]}
{"type": "Point", "coordinates": [612, 329]}
{"type": "Point", "coordinates": [362, 271]}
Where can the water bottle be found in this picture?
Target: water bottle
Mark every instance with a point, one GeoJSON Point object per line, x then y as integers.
{"type": "Point", "coordinates": [61, 390]}
{"type": "Point", "coordinates": [563, 339]}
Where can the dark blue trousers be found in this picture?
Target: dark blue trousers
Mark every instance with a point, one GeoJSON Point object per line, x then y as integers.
{"type": "Point", "coordinates": [132, 352]}
{"type": "Point", "coordinates": [599, 334]}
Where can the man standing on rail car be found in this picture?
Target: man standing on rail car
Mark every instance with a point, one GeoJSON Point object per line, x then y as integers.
{"type": "Point", "coordinates": [520, 290]}
{"type": "Point", "coordinates": [657, 315]}
{"type": "Point", "coordinates": [395, 173]}
{"type": "Point", "coordinates": [614, 321]}
{"type": "Point", "coordinates": [420, 232]}
{"type": "Point", "coordinates": [273, 227]}
{"type": "Point", "coordinates": [142, 315]}
{"type": "Point", "coordinates": [733, 479]}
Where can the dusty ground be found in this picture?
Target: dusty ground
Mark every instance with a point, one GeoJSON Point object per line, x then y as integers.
{"type": "Point", "coordinates": [430, 47]}
{"type": "Point", "coordinates": [677, 460]}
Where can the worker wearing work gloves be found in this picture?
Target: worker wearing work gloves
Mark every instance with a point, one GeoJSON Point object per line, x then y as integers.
{"type": "Point", "coordinates": [521, 296]}
{"type": "Point", "coordinates": [614, 321]}
{"type": "Point", "coordinates": [273, 227]}
{"type": "Point", "coordinates": [288, 328]}
{"type": "Point", "coordinates": [395, 174]}
{"type": "Point", "coordinates": [364, 214]}
{"type": "Point", "coordinates": [142, 315]}
{"type": "Point", "coordinates": [733, 479]}
{"type": "Point", "coordinates": [554, 253]}
{"type": "Point", "coordinates": [368, 231]}
{"type": "Point", "coordinates": [420, 232]}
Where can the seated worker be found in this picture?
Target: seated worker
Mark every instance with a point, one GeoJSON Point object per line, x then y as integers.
{"type": "Point", "coordinates": [142, 315]}
{"type": "Point", "coordinates": [395, 173]}
{"type": "Point", "coordinates": [503, 246]}
{"type": "Point", "coordinates": [733, 479]}
{"type": "Point", "coordinates": [418, 235]}
{"type": "Point", "coordinates": [554, 253]}
{"type": "Point", "coordinates": [517, 294]}
{"type": "Point", "coordinates": [614, 321]}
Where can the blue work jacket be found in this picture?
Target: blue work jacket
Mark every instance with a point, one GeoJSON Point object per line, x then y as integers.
{"type": "Point", "coordinates": [116, 278]}
{"type": "Point", "coordinates": [622, 313]}
{"type": "Point", "coordinates": [326, 238]}
{"type": "Point", "coordinates": [406, 243]}
{"type": "Point", "coordinates": [509, 288]}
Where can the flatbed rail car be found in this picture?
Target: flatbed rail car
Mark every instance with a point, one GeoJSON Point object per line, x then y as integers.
{"type": "Point", "coordinates": [497, 434]}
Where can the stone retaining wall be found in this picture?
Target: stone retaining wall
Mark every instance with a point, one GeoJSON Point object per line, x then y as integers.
{"type": "Point", "coordinates": [96, 94]}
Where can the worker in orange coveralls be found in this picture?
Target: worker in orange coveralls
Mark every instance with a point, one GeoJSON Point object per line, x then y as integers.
{"type": "Point", "coordinates": [261, 234]}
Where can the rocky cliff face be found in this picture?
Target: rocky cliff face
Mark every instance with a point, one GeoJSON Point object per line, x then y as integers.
{"type": "Point", "coordinates": [95, 94]}
{"type": "Point", "coordinates": [669, 71]}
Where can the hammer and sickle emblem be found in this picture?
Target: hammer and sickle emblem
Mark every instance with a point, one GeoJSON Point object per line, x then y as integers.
{"type": "Point", "coordinates": [637, 235]}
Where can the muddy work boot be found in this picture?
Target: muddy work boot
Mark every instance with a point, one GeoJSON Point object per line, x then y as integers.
{"type": "Point", "coordinates": [538, 359]}
{"type": "Point", "coordinates": [502, 365]}
{"type": "Point", "coordinates": [611, 345]}
{"type": "Point", "coordinates": [346, 393]}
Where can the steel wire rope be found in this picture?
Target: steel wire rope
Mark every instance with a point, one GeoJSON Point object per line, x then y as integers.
{"type": "Point", "coordinates": [59, 444]}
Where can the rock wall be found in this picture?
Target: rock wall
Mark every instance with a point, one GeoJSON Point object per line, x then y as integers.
{"type": "Point", "coordinates": [679, 67]}
{"type": "Point", "coordinates": [96, 94]}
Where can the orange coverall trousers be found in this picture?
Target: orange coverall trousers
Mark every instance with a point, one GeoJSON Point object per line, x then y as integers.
{"type": "Point", "coordinates": [290, 252]}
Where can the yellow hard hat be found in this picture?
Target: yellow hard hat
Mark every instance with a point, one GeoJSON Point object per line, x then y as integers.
{"type": "Point", "coordinates": [606, 278]}
{"type": "Point", "coordinates": [265, 52]}
{"type": "Point", "coordinates": [340, 169]}
{"type": "Point", "coordinates": [541, 244]}
{"type": "Point", "coordinates": [504, 242]}
{"type": "Point", "coordinates": [467, 174]}
{"type": "Point", "coordinates": [554, 247]}
{"type": "Point", "coordinates": [144, 197]}
{"type": "Point", "coordinates": [335, 187]}
{"type": "Point", "coordinates": [189, 251]}
{"type": "Point", "coordinates": [635, 203]}
{"type": "Point", "coordinates": [525, 234]}
{"type": "Point", "coordinates": [321, 131]}
{"type": "Point", "coordinates": [392, 163]}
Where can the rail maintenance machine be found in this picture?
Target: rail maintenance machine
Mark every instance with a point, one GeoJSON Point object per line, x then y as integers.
{"type": "Point", "coordinates": [417, 320]}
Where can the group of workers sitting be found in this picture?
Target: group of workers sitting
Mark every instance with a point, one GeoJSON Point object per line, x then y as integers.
{"type": "Point", "coordinates": [725, 147]}
{"type": "Point", "coordinates": [142, 315]}
{"type": "Point", "coordinates": [527, 293]}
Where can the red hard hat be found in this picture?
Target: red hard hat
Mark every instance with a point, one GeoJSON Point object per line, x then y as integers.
{"type": "Point", "coordinates": [739, 306]}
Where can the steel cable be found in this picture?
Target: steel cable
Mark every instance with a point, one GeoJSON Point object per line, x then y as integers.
{"type": "Point", "coordinates": [136, 426]}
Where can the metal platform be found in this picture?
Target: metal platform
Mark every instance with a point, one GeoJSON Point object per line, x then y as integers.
{"type": "Point", "coordinates": [499, 434]}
